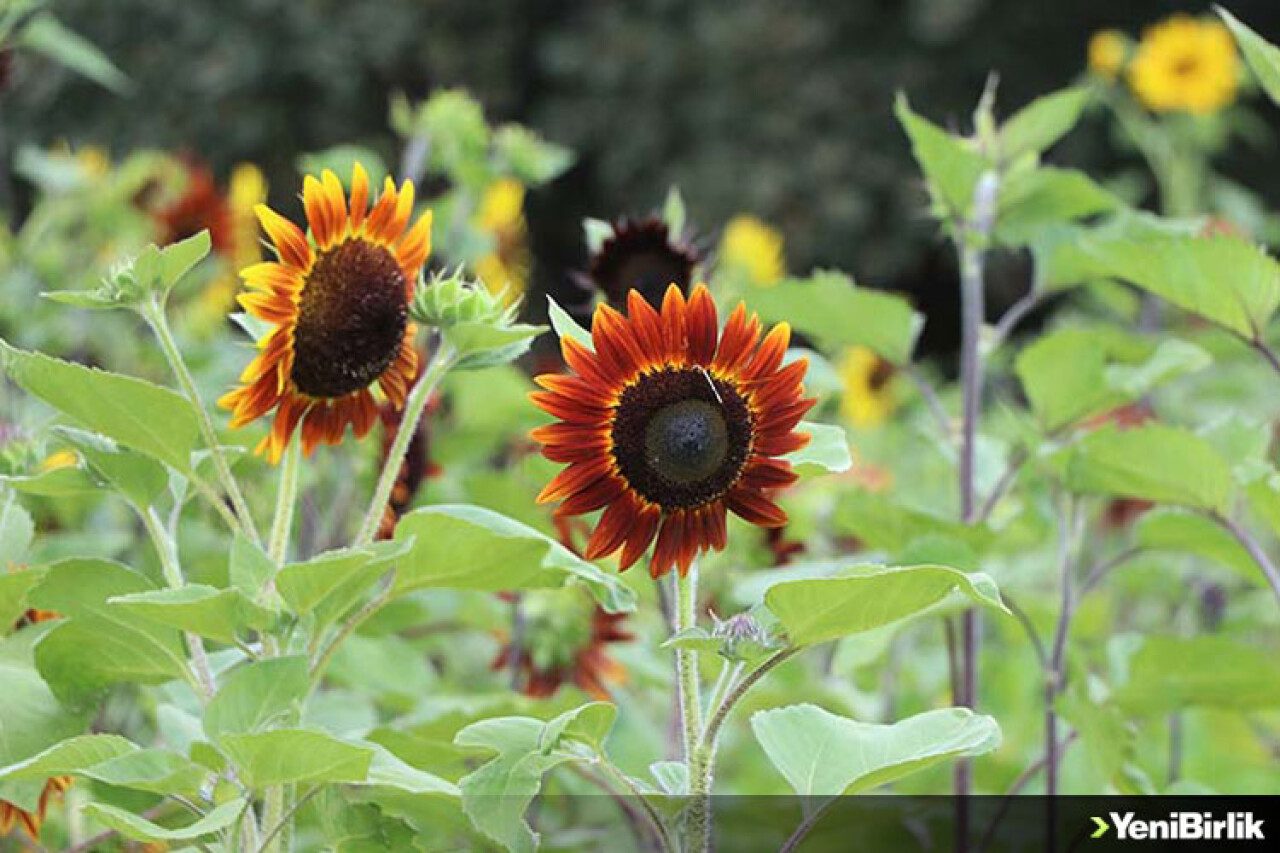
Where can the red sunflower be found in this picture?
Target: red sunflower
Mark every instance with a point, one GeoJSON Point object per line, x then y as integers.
{"type": "Point", "coordinates": [669, 423]}
{"type": "Point", "coordinates": [340, 306]}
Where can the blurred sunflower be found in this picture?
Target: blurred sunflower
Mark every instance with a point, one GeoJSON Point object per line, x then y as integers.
{"type": "Point", "coordinates": [868, 397]}
{"type": "Point", "coordinates": [198, 206]}
{"type": "Point", "coordinates": [340, 310]}
{"type": "Point", "coordinates": [1185, 64]}
{"type": "Point", "coordinates": [641, 255]}
{"type": "Point", "coordinates": [754, 248]}
{"type": "Point", "coordinates": [501, 216]}
{"type": "Point", "coordinates": [565, 639]}
{"type": "Point", "coordinates": [668, 424]}
{"type": "Point", "coordinates": [1108, 50]}
{"type": "Point", "coordinates": [11, 814]}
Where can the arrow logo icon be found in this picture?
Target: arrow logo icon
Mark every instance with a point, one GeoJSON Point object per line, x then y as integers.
{"type": "Point", "coordinates": [1102, 828]}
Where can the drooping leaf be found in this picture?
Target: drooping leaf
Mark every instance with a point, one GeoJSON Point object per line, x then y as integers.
{"type": "Point", "coordinates": [224, 615]}
{"type": "Point", "coordinates": [145, 417]}
{"type": "Point", "coordinates": [1153, 462]}
{"type": "Point", "coordinates": [1169, 674]}
{"type": "Point", "coordinates": [866, 597]}
{"type": "Point", "coordinates": [140, 829]}
{"type": "Point", "coordinates": [258, 694]}
{"type": "Point", "coordinates": [61, 482]}
{"type": "Point", "coordinates": [825, 755]}
{"type": "Point", "coordinates": [502, 554]}
{"type": "Point", "coordinates": [832, 310]}
{"type": "Point", "coordinates": [70, 756]}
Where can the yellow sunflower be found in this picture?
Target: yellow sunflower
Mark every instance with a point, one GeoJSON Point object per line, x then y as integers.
{"type": "Point", "coordinates": [501, 216]}
{"type": "Point", "coordinates": [1185, 64]}
{"type": "Point", "coordinates": [339, 303]}
{"type": "Point", "coordinates": [1108, 50]}
{"type": "Point", "coordinates": [755, 248]}
{"type": "Point", "coordinates": [868, 398]}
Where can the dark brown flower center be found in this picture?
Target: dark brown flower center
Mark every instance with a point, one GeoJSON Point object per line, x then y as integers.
{"type": "Point", "coordinates": [681, 437]}
{"type": "Point", "coordinates": [641, 256]}
{"type": "Point", "coordinates": [351, 320]}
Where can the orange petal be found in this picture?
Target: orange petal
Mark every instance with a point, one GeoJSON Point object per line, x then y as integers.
{"type": "Point", "coordinates": [291, 244]}
{"type": "Point", "coordinates": [755, 508]}
{"type": "Point", "coordinates": [701, 326]}
{"type": "Point", "coordinates": [359, 196]}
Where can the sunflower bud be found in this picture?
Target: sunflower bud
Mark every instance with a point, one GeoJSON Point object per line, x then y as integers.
{"type": "Point", "coordinates": [744, 638]}
{"type": "Point", "coordinates": [475, 321]}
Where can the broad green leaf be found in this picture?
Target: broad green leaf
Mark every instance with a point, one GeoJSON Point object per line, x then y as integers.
{"type": "Point", "coordinates": [825, 755]}
{"type": "Point", "coordinates": [145, 417]}
{"type": "Point", "coordinates": [140, 829]}
{"type": "Point", "coordinates": [100, 644]}
{"type": "Point", "coordinates": [501, 554]}
{"type": "Point", "coordinates": [139, 479]}
{"type": "Point", "coordinates": [257, 695]}
{"type": "Point", "coordinates": [1063, 256]}
{"type": "Point", "coordinates": [1223, 279]}
{"type": "Point", "coordinates": [1041, 123]}
{"type": "Point", "coordinates": [14, 586]}
{"type": "Point", "coordinates": [827, 450]}
{"type": "Point", "coordinates": [177, 259]}
{"type": "Point", "coordinates": [31, 718]}
{"type": "Point", "coordinates": [1262, 56]}
{"type": "Point", "coordinates": [866, 597]}
{"type": "Point", "coordinates": [386, 770]}
{"type": "Point", "coordinates": [45, 34]}
{"type": "Point", "coordinates": [156, 770]}
{"type": "Point", "coordinates": [949, 164]}
{"type": "Point", "coordinates": [1261, 482]}
{"type": "Point", "coordinates": [1180, 532]}
{"type": "Point", "coordinates": [1104, 731]}
{"type": "Point", "coordinates": [283, 756]}
{"type": "Point", "coordinates": [1153, 462]}
{"type": "Point", "coordinates": [884, 525]}
{"type": "Point", "coordinates": [224, 615]}
{"type": "Point", "coordinates": [496, 796]}
{"type": "Point", "coordinates": [249, 568]}
{"type": "Point", "coordinates": [331, 583]}
{"type": "Point", "coordinates": [16, 530]}
{"type": "Point", "coordinates": [1169, 674]}
{"type": "Point", "coordinates": [70, 756]}
{"type": "Point", "coordinates": [566, 326]}
{"type": "Point", "coordinates": [1037, 199]}
{"type": "Point", "coordinates": [481, 345]}
{"type": "Point", "coordinates": [62, 482]}
{"type": "Point", "coordinates": [832, 310]}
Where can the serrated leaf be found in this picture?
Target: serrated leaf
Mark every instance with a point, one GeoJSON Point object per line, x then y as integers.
{"type": "Point", "coordinates": [867, 597]}
{"type": "Point", "coordinates": [825, 755]}
{"type": "Point", "coordinates": [137, 414]}
{"type": "Point", "coordinates": [258, 694]}
{"type": "Point", "coordinates": [836, 313]}
{"type": "Point", "coordinates": [70, 756]}
{"type": "Point", "coordinates": [502, 554]}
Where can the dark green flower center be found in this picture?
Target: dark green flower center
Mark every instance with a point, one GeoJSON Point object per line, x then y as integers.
{"type": "Point", "coordinates": [681, 437]}
{"type": "Point", "coordinates": [351, 320]}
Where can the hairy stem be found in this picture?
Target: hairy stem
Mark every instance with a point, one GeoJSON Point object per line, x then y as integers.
{"type": "Point", "coordinates": [286, 501]}
{"type": "Point", "coordinates": [414, 406]}
{"type": "Point", "coordinates": [1255, 550]}
{"type": "Point", "coordinates": [697, 760]}
{"type": "Point", "coordinates": [153, 313]}
{"type": "Point", "coordinates": [168, 553]}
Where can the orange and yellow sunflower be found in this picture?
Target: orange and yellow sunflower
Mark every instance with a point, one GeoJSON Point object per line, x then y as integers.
{"type": "Point", "coordinates": [339, 303]}
{"type": "Point", "coordinates": [669, 423]}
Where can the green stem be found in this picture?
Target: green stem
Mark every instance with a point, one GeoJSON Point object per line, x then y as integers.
{"type": "Point", "coordinates": [153, 313]}
{"type": "Point", "coordinates": [440, 364]}
{"type": "Point", "coordinates": [697, 758]}
{"type": "Point", "coordinates": [167, 551]}
{"type": "Point", "coordinates": [286, 500]}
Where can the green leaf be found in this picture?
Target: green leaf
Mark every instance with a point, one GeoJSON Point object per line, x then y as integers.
{"type": "Point", "coordinates": [673, 211]}
{"type": "Point", "coordinates": [1169, 674]}
{"type": "Point", "coordinates": [595, 232]}
{"type": "Point", "coordinates": [257, 695]}
{"type": "Point", "coordinates": [496, 796]}
{"type": "Point", "coordinates": [866, 597]}
{"type": "Point", "coordinates": [137, 414]}
{"type": "Point", "coordinates": [481, 345]}
{"type": "Point", "coordinates": [532, 159]}
{"type": "Point", "coordinates": [31, 718]}
{"type": "Point", "coordinates": [283, 756]}
{"type": "Point", "coordinates": [140, 829]}
{"type": "Point", "coordinates": [501, 554]}
{"type": "Point", "coordinates": [1224, 279]}
{"type": "Point", "coordinates": [825, 755]}
{"type": "Point", "coordinates": [832, 310]}
{"type": "Point", "coordinates": [566, 326]}
{"type": "Point", "coordinates": [1180, 532]}
{"type": "Point", "coordinates": [139, 479]}
{"type": "Point", "coordinates": [1262, 56]}
{"type": "Point", "coordinates": [1153, 462]}
{"type": "Point", "coordinates": [70, 756]}
{"type": "Point", "coordinates": [1040, 124]}
{"type": "Point", "coordinates": [950, 166]}
{"type": "Point", "coordinates": [16, 531]}
{"type": "Point", "coordinates": [1034, 200]}
{"type": "Point", "coordinates": [45, 34]}
{"type": "Point", "coordinates": [100, 644]}
{"type": "Point", "coordinates": [63, 482]}
{"type": "Point", "coordinates": [249, 567]}
{"type": "Point", "coordinates": [156, 770]}
{"type": "Point", "coordinates": [388, 771]}
{"type": "Point", "coordinates": [177, 259]}
{"type": "Point", "coordinates": [14, 586]}
{"type": "Point", "coordinates": [827, 450]}
{"type": "Point", "coordinates": [224, 615]}
{"type": "Point", "coordinates": [885, 525]}
{"type": "Point", "coordinates": [331, 583]}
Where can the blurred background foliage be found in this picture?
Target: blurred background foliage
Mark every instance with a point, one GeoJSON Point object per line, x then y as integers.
{"type": "Point", "coordinates": [781, 110]}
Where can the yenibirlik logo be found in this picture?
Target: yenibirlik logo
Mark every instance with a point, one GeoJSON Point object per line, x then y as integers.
{"type": "Point", "coordinates": [1183, 826]}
